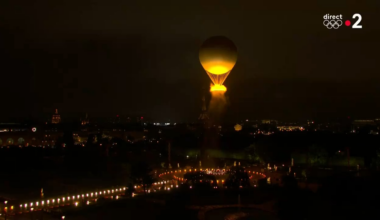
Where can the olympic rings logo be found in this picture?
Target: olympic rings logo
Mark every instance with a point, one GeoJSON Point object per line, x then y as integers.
{"type": "Point", "coordinates": [332, 24]}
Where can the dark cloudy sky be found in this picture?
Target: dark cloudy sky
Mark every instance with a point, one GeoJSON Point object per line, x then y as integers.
{"type": "Point", "coordinates": [141, 57]}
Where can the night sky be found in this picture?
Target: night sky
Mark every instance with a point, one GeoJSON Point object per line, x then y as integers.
{"type": "Point", "coordinates": [141, 58]}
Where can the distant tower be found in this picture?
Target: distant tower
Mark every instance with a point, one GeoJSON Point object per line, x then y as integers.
{"type": "Point", "coordinates": [169, 149]}
{"type": "Point", "coordinates": [85, 121]}
{"type": "Point", "coordinates": [203, 115]}
{"type": "Point", "coordinates": [56, 119]}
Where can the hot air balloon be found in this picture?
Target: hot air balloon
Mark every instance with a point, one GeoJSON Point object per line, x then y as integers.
{"type": "Point", "coordinates": [218, 55]}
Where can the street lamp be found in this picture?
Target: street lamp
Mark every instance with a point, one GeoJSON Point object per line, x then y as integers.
{"type": "Point", "coordinates": [31, 213]}
{"type": "Point", "coordinates": [4, 210]}
{"type": "Point", "coordinates": [63, 217]}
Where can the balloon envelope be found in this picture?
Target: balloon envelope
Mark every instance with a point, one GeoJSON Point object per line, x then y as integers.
{"type": "Point", "coordinates": [218, 55]}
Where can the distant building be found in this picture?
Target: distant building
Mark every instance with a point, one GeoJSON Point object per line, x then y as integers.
{"type": "Point", "coordinates": [290, 128]}
{"type": "Point", "coordinates": [364, 126]}
{"type": "Point", "coordinates": [56, 118]}
{"type": "Point", "coordinates": [85, 121]}
{"type": "Point", "coordinates": [48, 135]}
{"type": "Point", "coordinates": [119, 119]}
{"type": "Point", "coordinates": [26, 135]}
{"type": "Point", "coordinates": [360, 123]}
{"type": "Point", "coordinates": [80, 137]}
{"type": "Point", "coordinates": [272, 122]}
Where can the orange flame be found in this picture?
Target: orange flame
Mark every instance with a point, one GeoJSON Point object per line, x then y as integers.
{"type": "Point", "coordinates": [217, 87]}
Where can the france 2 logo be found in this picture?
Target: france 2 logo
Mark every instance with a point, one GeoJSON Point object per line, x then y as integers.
{"type": "Point", "coordinates": [335, 21]}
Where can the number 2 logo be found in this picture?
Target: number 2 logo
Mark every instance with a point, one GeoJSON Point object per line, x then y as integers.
{"type": "Point", "coordinates": [357, 25]}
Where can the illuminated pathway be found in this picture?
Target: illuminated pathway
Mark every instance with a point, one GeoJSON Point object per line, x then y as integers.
{"type": "Point", "coordinates": [178, 175]}
{"type": "Point", "coordinates": [169, 180]}
{"type": "Point", "coordinates": [220, 174]}
{"type": "Point", "coordinates": [51, 203]}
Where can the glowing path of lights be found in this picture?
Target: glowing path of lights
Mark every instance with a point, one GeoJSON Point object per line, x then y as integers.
{"type": "Point", "coordinates": [214, 171]}
{"type": "Point", "coordinates": [12, 209]}
{"type": "Point", "coordinates": [114, 193]}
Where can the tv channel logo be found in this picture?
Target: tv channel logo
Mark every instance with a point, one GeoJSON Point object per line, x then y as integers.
{"type": "Point", "coordinates": [336, 21]}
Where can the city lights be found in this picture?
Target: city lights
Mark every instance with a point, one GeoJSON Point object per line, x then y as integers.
{"type": "Point", "coordinates": [139, 188]}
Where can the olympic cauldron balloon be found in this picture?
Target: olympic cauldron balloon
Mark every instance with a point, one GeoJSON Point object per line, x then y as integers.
{"type": "Point", "coordinates": [218, 56]}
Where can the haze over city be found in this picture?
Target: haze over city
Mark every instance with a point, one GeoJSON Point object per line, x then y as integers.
{"type": "Point", "coordinates": [198, 110]}
{"type": "Point", "coordinates": [109, 58]}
